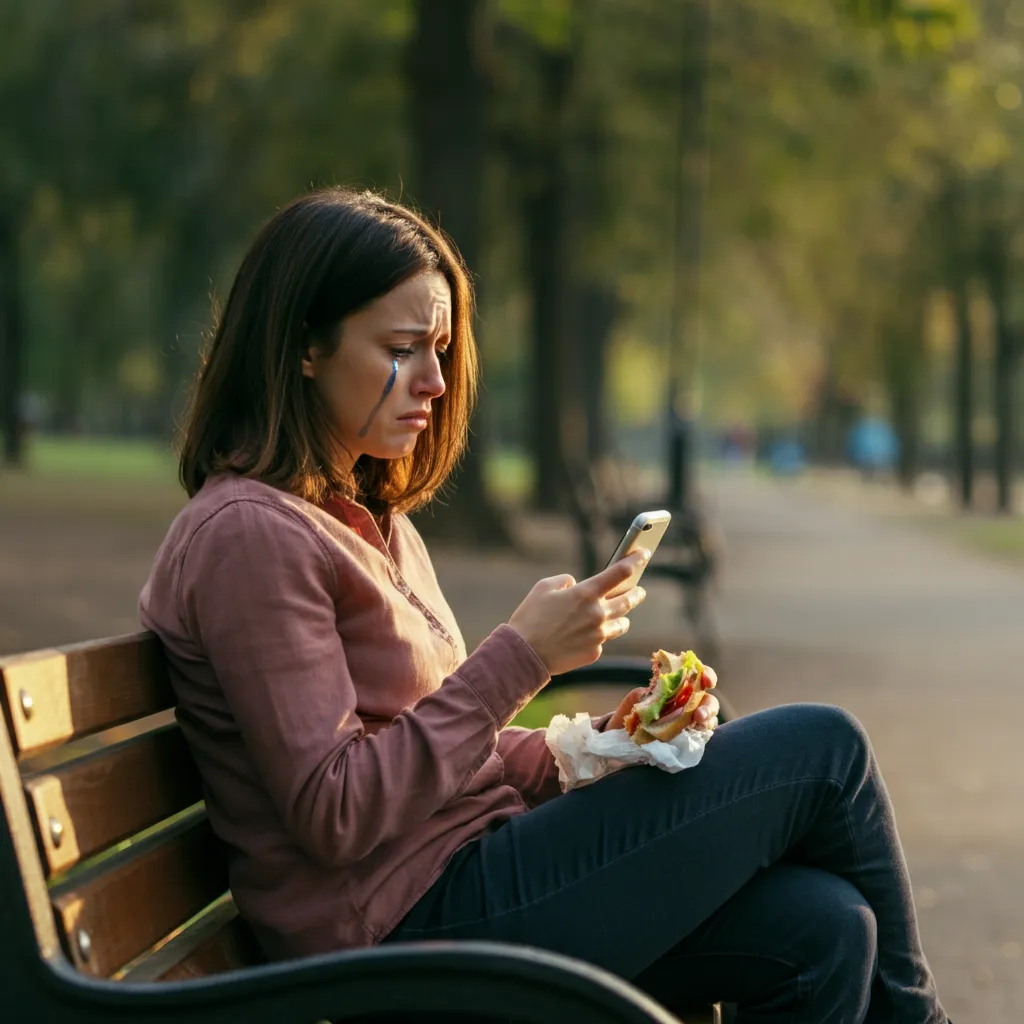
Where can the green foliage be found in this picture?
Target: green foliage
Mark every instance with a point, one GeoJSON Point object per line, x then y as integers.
{"type": "Point", "coordinates": [141, 145]}
{"type": "Point", "coordinates": [99, 458]}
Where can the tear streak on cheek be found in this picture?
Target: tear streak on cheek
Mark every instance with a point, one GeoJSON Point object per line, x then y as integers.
{"type": "Point", "coordinates": [387, 391]}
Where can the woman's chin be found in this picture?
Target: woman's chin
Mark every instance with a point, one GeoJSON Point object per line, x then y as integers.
{"type": "Point", "coordinates": [392, 449]}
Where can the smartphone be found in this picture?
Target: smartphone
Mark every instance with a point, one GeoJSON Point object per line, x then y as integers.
{"type": "Point", "coordinates": [645, 531]}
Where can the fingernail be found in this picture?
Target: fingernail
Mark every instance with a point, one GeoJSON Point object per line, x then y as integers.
{"type": "Point", "coordinates": [641, 595]}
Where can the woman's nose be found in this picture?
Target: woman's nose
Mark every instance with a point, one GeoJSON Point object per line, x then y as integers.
{"type": "Point", "coordinates": [430, 381]}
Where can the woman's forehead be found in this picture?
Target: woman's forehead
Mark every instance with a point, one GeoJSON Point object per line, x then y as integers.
{"type": "Point", "coordinates": [422, 302]}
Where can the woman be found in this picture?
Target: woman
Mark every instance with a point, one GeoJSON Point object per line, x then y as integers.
{"type": "Point", "coordinates": [355, 758]}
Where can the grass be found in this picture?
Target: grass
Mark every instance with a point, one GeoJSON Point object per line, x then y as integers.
{"type": "Point", "coordinates": [1002, 537]}
{"type": "Point", "coordinates": [544, 707]}
{"type": "Point", "coordinates": [101, 457]}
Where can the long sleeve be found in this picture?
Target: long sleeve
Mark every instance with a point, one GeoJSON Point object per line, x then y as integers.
{"type": "Point", "coordinates": [257, 588]}
{"type": "Point", "coordinates": [529, 766]}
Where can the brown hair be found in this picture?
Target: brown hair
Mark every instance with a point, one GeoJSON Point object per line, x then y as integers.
{"type": "Point", "coordinates": [317, 260]}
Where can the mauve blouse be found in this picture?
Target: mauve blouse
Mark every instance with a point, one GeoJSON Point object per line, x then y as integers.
{"type": "Point", "coordinates": [347, 745]}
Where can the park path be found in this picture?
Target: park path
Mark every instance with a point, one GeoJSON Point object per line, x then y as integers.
{"type": "Point", "coordinates": [825, 595]}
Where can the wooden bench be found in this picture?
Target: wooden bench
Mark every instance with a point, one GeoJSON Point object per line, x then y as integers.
{"type": "Point", "coordinates": [114, 902]}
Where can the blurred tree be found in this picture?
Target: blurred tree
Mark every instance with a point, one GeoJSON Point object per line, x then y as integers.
{"type": "Point", "coordinates": [995, 267]}
{"type": "Point", "coordinates": [447, 95]}
{"type": "Point", "coordinates": [141, 144]}
{"type": "Point", "coordinates": [11, 338]}
{"type": "Point", "coordinates": [531, 128]}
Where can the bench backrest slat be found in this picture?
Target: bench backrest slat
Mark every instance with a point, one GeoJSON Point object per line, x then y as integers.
{"type": "Point", "coordinates": [54, 696]}
{"type": "Point", "coordinates": [217, 941]}
{"type": "Point", "coordinates": [133, 901]}
{"type": "Point", "coordinates": [85, 805]}
{"type": "Point", "coordinates": [225, 950]}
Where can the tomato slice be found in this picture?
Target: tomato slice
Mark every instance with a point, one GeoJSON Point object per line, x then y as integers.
{"type": "Point", "coordinates": [683, 694]}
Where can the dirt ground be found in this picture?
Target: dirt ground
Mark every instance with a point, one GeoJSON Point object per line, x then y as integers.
{"type": "Point", "coordinates": [823, 597]}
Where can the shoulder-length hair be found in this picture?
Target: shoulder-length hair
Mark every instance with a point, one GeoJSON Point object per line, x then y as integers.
{"type": "Point", "coordinates": [317, 260]}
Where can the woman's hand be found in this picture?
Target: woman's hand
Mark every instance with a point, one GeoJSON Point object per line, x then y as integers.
{"type": "Point", "coordinates": [619, 714]}
{"type": "Point", "coordinates": [567, 623]}
{"type": "Point", "coordinates": [706, 715]}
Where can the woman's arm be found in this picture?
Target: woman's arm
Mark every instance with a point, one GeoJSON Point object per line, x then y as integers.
{"type": "Point", "coordinates": [257, 590]}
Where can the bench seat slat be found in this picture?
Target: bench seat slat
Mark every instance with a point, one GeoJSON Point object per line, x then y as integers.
{"type": "Point", "coordinates": [58, 695]}
{"type": "Point", "coordinates": [84, 806]}
{"type": "Point", "coordinates": [126, 905]}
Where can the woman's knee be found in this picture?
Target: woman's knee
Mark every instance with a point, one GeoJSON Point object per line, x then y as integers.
{"type": "Point", "coordinates": [827, 727]}
{"type": "Point", "coordinates": [834, 721]}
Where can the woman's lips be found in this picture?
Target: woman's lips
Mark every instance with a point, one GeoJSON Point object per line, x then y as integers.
{"type": "Point", "coordinates": [415, 422]}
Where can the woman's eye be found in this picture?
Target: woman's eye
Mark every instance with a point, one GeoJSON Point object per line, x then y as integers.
{"type": "Point", "coordinates": [401, 353]}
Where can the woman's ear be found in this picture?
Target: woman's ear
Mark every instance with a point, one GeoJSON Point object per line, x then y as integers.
{"type": "Point", "coordinates": [309, 361]}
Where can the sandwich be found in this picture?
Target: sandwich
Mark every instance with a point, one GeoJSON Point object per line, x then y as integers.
{"type": "Point", "coordinates": [678, 684]}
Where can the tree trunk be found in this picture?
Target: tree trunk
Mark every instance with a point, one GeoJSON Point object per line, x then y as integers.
{"type": "Point", "coordinates": [596, 306]}
{"type": "Point", "coordinates": [905, 358]}
{"type": "Point", "coordinates": [1005, 391]}
{"type": "Point", "coordinates": [951, 230]}
{"type": "Point", "coordinates": [446, 95]}
{"type": "Point", "coordinates": [691, 164]}
{"type": "Point", "coordinates": [906, 410]}
{"type": "Point", "coordinates": [964, 400]}
{"type": "Point", "coordinates": [995, 265]}
{"type": "Point", "coordinates": [11, 341]}
{"type": "Point", "coordinates": [555, 415]}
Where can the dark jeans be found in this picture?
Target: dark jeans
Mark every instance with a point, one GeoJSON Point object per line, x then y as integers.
{"type": "Point", "coordinates": [770, 876]}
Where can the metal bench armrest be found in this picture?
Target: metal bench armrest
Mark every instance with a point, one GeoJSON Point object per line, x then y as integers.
{"type": "Point", "coordinates": [488, 978]}
{"type": "Point", "coordinates": [625, 671]}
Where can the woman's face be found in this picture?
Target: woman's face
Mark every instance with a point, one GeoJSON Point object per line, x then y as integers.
{"type": "Point", "coordinates": [384, 375]}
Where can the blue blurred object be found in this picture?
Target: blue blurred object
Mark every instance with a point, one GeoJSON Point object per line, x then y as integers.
{"type": "Point", "coordinates": [786, 457]}
{"type": "Point", "coordinates": [872, 444]}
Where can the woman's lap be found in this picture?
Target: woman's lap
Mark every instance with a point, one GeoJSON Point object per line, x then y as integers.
{"type": "Point", "coordinates": [621, 872]}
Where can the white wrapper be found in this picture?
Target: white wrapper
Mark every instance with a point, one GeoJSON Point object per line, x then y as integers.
{"type": "Point", "coordinates": [584, 755]}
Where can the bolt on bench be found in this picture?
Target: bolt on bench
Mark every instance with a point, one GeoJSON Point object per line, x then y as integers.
{"type": "Point", "coordinates": [114, 902]}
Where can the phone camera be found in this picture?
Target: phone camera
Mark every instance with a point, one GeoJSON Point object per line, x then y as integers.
{"type": "Point", "coordinates": [648, 526]}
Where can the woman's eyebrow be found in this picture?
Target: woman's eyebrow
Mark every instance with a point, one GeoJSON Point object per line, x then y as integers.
{"type": "Point", "coordinates": [418, 332]}
{"type": "Point", "coordinates": [409, 330]}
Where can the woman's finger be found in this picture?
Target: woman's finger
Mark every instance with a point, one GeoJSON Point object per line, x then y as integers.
{"type": "Point", "coordinates": [614, 628]}
{"type": "Point", "coordinates": [707, 709]}
{"type": "Point", "coordinates": [710, 678]}
{"type": "Point", "coordinates": [625, 706]}
{"type": "Point", "coordinates": [634, 695]}
{"type": "Point", "coordinates": [623, 605]}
